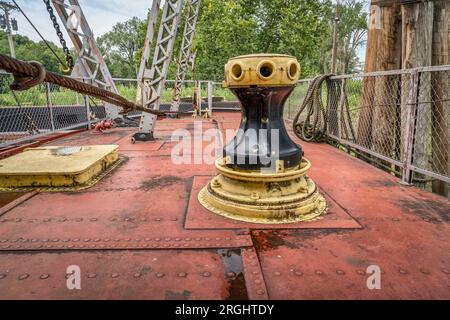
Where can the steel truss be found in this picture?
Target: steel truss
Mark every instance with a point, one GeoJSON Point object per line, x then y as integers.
{"type": "Point", "coordinates": [90, 63]}
{"type": "Point", "coordinates": [152, 81]}
{"type": "Point", "coordinates": [185, 51]}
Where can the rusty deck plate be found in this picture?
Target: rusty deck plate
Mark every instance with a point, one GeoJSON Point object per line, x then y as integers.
{"type": "Point", "coordinates": [139, 212]}
{"type": "Point", "coordinates": [198, 217]}
{"type": "Point", "coordinates": [162, 274]}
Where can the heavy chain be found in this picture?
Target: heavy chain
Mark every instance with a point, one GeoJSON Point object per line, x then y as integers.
{"type": "Point", "coordinates": [69, 58]}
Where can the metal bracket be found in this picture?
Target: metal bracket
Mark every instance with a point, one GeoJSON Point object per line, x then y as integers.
{"type": "Point", "coordinates": [90, 63]}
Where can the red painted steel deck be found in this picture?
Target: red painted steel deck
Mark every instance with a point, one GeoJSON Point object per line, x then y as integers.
{"type": "Point", "coordinates": [139, 234]}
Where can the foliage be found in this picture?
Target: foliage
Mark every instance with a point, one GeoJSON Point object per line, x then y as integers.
{"type": "Point", "coordinates": [351, 31]}
{"type": "Point", "coordinates": [28, 50]}
{"type": "Point", "coordinates": [119, 47]}
{"type": "Point", "coordinates": [228, 28]}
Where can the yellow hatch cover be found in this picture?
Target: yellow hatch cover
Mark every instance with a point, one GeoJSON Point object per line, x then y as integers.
{"type": "Point", "coordinates": [56, 166]}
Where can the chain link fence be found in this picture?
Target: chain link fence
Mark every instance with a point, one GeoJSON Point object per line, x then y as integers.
{"type": "Point", "coordinates": [41, 110]}
{"type": "Point", "coordinates": [399, 120]}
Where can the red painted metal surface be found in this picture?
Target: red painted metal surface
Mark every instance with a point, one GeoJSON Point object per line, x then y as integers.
{"type": "Point", "coordinates": [10, 151]}
{"type": "Point", "coordinates": [160, 274]}
{"type": "Point", "coordinates": [146, 209]}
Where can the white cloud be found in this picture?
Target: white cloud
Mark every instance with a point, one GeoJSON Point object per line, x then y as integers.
{"type": "Point", "coordinates": [102, 15]}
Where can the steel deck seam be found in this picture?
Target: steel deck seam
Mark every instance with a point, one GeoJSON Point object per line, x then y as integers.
{"type": "Point", "coordinates": [254, 277]}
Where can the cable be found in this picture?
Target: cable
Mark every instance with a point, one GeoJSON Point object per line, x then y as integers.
{"type": "Point", "coordinates": [40, 35]}
{"type": "Point", "coordinates": [319, 118]}
{"type": "Point", "coordinates": [29, 74]}
{"type": "Point", "coordinates": [314, 108]}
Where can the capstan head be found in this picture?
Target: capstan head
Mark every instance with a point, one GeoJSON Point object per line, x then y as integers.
{"type": "Point", "coordinates": [261, 70]}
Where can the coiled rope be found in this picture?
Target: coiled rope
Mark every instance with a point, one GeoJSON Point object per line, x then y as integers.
{"type": "Point", "coordinates": [28, 74]}
{"type": "Point", "coordinates": [316, 118]}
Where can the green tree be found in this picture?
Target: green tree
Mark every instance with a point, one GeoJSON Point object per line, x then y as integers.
{"type": "Point", "coordinates": [120, 46]}
{"type": "Point", "coordinates": [29, 50]}
{"type": "Point", "coordinates": [352, 31]}
{"type": "Point", "coordinates": [295, 27]}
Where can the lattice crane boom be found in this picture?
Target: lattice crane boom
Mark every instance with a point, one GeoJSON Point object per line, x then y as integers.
{"type": "Point", "coordinates": [153, 80]}
{"type": "Point", "coordinates": [185, 51]}
{"type": "Point", "coordinates": [90, 63]}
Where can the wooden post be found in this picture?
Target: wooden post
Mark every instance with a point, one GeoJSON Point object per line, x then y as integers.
{"type": "Point", "coordinates": [381, 55]}
{"type": "Point", "coordinates": [440, 131]}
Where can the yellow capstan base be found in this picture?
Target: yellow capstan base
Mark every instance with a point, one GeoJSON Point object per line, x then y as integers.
{"type": "Point", "coordinates": [268, 198]}
{"type": "Point", "coordinates": [56, 166]}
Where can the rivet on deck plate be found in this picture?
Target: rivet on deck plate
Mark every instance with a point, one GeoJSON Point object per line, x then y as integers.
{"type": "Point", "coordinates": [174, 219]}
{"type": "Point", "coordinates": [92, 275]}
{"type": "Point", "coordinates": [55, 240]}
{"type": "Point", "coordinates": [114, 275]}
{"type": "Point", "coordinates": [2, 276]}
{"type": "Point", "coordinates": [260, 292]}
{"type": "Point", "coordinates": [160, 275]}
{"type": "Point", "coordinates": [340, 272]}
{"type": "Point", "coordinates": [187, 239]}
{"type": "Point", "coordinates": [158, 219]}
{"type": "Point", "coordinates": [277, 273]}
{"type": "Point", "coordinates": [231, 274]}
{"type": "Point", "coordinates": [17, 220]}
{"type": "Point", "coordinates": [361, 272]}
{"type": "Point", "coordinates": [298, 273]}
{"type": "Point", "coordinates": [87, 240]}
{"type": "Point", "coordinates": [157, 239]}
{"type": "Point", "coordinates": [137, 275]}
{"type": "Point", "coordinates": [44, 276]}
{"type": "Point", "coordinates": [148, 239]}
{"type": "Point", "coordinates": [319, 272]}
{"type": "Point", "coordinates": [206, 274]}
{"type": "Point", "coordinates": [23, 276]}
{"type": "Point", "coordinates": [402, 271]}
{"type": "Point", "coordinates": [182, 275]}
{"type": "Point", "coordinates": [76, 240]}
{"type": "Point", "coordinates": [93, 219]}
{"type": "Point", "coordinates": [97, 239]}
{"type": "Point", "coordinates": [446, 271]}
{"type": "Point", "coordinates": [258, 281]}
{"type": "Point", "coordinates": [79, 219]}
{"type": "Point", "coordinates": [424, 271]}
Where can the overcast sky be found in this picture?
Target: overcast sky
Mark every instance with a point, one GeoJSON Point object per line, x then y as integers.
{"type": "Point", "coordinates": [102, 15]}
